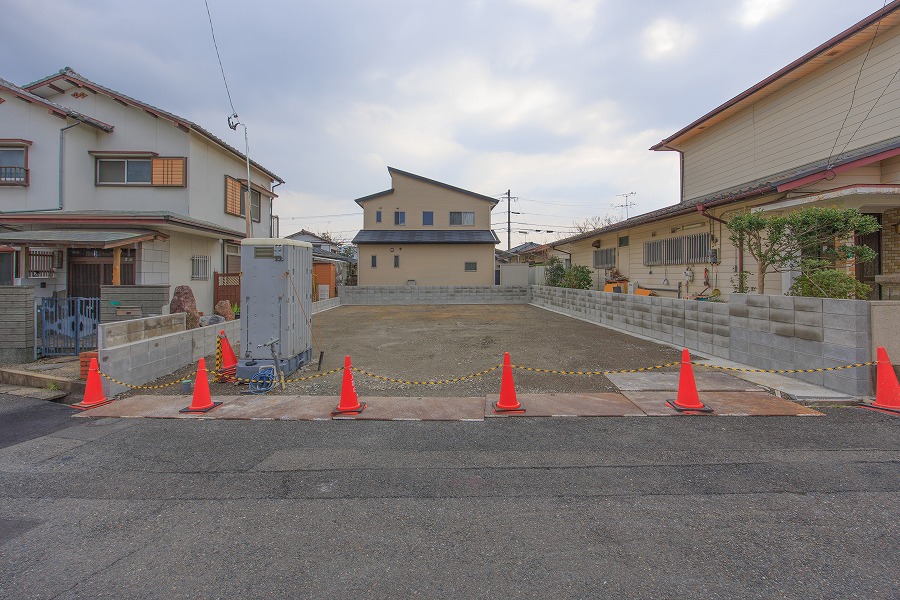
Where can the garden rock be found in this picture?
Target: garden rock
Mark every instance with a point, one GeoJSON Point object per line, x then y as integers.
{"type": "Point", "coordinates": [183, 301]}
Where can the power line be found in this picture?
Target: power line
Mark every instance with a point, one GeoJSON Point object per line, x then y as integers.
{"type": "Point", "coordinates": [216, 46]}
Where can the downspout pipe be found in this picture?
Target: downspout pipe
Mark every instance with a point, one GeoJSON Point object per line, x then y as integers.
{"type": "Point", "coordinates": [62, 141]}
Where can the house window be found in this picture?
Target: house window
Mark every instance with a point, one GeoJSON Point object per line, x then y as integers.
{"type": "Point", "coordinates": [623, 241]}
{"type": "Point", "coordinates": [378, 216]}
{"type": "Point", "coordinates": [462, 218]}
{"type": "Point", "coordinates": [235, 194]}
{"type": "Point", "coordinates": [471, 267]}
{"type": "Point", "coordinates": [681, 250]}
{"type": "Point", "coordinates": [396, 261]}
{"type": "Point", "coordinates": [604, 259]}
{"type": "Point", "coordinates": [156, 171]}
{"type": "Point", "coordinates": [399, 217]}
{"type": "Point", "coordinates": [14, 163]}
{"type": "Point", "coordinates": [374, 261]}
{"type": "Point", "coordinates": [427, 217]}
{"type": "Point", "coordinates": [199, 268]}
{"type": "Point", "coordinates": [232, 258]}
{"type": "Point", "coordinates": [40, 264]}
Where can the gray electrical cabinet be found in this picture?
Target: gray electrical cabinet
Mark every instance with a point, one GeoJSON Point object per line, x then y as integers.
{"type": "Point", "coordinates": [276, 304]}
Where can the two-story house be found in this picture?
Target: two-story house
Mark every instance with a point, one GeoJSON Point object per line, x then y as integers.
{"type": "Point", "coordinates": [424, 232]}
{"type": "Point", "coordinates": [99, 188]}
{"type": "Point", "coordinates": [824, 130]}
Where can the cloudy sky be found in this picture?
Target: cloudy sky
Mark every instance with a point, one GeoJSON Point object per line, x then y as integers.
{"type": "Point", "coordinates": [555, 100]}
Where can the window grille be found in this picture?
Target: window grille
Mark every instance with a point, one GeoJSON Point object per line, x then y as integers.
{"type": "Point", "coordinates": [40, 264]}
{"type": "Point", "coordinates": [681, 250]}
{"type": "Point", "coordinates": [199, 268]}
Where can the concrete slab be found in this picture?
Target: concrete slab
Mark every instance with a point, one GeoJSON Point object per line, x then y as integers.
{"type": "Point", "coordinates": [724, 404]}
{"type": "Point", "coordinates": [784, 386]}
{"type": "Point", "coordinates": [668, 381]}
{"type": "Point", "coordinates": [568, 405]}
{"type": "Point", "coordinates": [418, 409]}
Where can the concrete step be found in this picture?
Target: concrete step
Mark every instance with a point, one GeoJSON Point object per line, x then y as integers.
{"type": "Point", "coordinates": [42, 382]}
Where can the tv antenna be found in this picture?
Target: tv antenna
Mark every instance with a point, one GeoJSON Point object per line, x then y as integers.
{"type": "Point", "coordinates": [626, 202]}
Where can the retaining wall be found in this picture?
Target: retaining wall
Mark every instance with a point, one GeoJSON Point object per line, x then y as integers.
{"type": "Point", "coordinates": [151, 299]}
{"type": "Point", "coordinates": [421, 294]}
{"type": "Point", "coordinates": [765, 332]}
{"type": "Point", "coordinates": [17, 324]}
{"type": "Point", "coordinates": [323, 305]}
{"type": "Point", "coordinates": [135, 330]}
{"type": "Point", "coordinates": [143, 361]}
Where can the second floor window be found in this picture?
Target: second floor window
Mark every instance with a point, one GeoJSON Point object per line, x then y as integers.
{"type": "Point", "coordinates": [427, 217]}
{"type": "Point", "coordinates": [156, 171]}
{"type": "Point", "coordinates": [399, 218]}
{"type": "Point", "coordinates": [378, 216]}
{"type": "Point", "coordinates": [235, 195]}
{"type": "Point", "coordinates": [13, 169]}
{"type": "Point", "coordinates": [462, 218]}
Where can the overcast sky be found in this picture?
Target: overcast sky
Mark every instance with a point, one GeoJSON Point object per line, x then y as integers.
{"type": "Point", "coordinates": [555, 100]}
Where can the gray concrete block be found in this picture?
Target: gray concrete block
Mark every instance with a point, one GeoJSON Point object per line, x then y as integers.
{"type": "Point", "coordinates": [758, 324]}
{"type": "Point", "coordinates": [781, 302]}
{"type": "Point", "coordinates": [758, 300]}
{"type": "Point", "coordinates": [781, 315]}
{"type": "Point", "coordinates": [782, 329]}
{"type": "Point", "coordinates": [846, 355]}
{"type": "Point", "coordinates": [809, 319]}
{"type": "Point", "coordinates": [845, 322]}
{"type": "Point", "coordinates": [758, 313]}
{"type": "Point", "coordinates": [810, 347]}
{"type": "Point", "coordinates": [845, 307]}
{"type": "Point", "coordinates": [804, 332]}
{"type": "Point", "coordinates": [739, 345]}
{"type": "Point", "coordinates": [856, 339]}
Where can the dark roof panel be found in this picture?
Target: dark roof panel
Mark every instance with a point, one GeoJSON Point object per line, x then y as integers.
{"type": "Point", "coordinates": [418, 236]}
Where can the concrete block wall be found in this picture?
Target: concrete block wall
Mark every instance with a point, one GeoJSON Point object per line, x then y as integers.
{"type": "Point", "coordinates": [323, 305]}
{"type": "Point", "coordinates": [153, 300]}
{"type": "Point", "coordinates": [765, 332]}
{"type": "Point", "coordinates": [135, 330]}
{"type": "Point", "coordinates": [419, 294]}
{"type": "Point", "coordinates": [17, 314]}
{"type": "Point", "coordinates": [141, 362]}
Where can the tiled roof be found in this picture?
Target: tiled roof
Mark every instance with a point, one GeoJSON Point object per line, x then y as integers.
{"type": "Point", "coordinates": [69, 74]}
{"type": "Point", "coordinates": [758, 187]}
{"type": "Point", "coordinates": [427, 236]}
{"type": "Point", "coordinates": [53, 106]}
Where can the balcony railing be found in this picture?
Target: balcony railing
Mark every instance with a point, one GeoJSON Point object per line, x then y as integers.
{"type": "Point", "coordinates": [13, 176]}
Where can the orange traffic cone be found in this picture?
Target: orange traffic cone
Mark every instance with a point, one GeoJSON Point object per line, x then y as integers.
{"type": "Point", "coordinates": [887, 389]}
{"type": "Point", "coordinates": [226, 370]}
{"type": "Point", "coordinates": [687, 400]}
{"type": "Point", "coordinates": [349, 402]}
{"type": "Point", "coordinates": [508, 401]}
{"type": "Point", "coordinates": [201, 402]}
{"type": "Point", "coordinates": [93, 391]}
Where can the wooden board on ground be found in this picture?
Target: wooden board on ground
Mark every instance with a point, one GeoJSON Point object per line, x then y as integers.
{"type": "Point", "coordinates": [419, 409]}
{"type": "Point", "coordinates": [724, 404]}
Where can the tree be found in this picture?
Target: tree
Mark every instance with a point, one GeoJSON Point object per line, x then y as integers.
{"type": "Point", "coordinates": [812, 239]}
{"type": "Point", "coordinates": [555, 273]}
{"type": "Point", "coordinates": [333, 239]}
{"type": "Point", "coordinates": [575, 277]}
{"type": "Point", "coordinates": [593, 223]}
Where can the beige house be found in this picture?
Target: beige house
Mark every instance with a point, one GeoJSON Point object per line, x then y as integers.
{"type": "Point", "coordinates": [424, 232]}
{"type": "Point", "coordinates": [824, 130]}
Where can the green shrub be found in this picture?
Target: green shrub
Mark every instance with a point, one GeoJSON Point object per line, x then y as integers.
{"type": "Point", "coordinates": [829, 283]}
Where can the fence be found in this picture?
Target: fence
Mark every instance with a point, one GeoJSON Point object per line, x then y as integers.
{"type": "Point", "coordinates": [17, 324]}
{"type": "Point", "coordinates": [227, 286]}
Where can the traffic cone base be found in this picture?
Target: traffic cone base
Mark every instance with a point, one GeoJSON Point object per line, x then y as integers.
{"type": "Point", "coordinates": [881, 409]}
{"type": "Point", "coordinates": [201, 402]}
{"type": "Point", "coordinates": [508, 401]}
{"type": "Point", "coordinates": [93, 390]}
{"type": "Point", "coordinates": [349, 402]}
{"type": "Point", "coordinates": [200, 410]}
{"type": "Point", "coordinates": [498, 409]}
{"type": "Point", "coordinates": [687, 400]}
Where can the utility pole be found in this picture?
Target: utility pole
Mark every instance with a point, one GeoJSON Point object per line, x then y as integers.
{"type": "Point", "coordinates": [508, 219]}
{"type": "Point", "coordinates": [626, 203]}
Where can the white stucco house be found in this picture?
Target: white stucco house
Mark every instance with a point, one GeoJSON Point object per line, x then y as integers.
{"type": "Point", "coordinates": [99, 188]}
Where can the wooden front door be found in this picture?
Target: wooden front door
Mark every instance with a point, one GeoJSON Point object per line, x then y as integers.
{"type": "Point", "coordinates": [866, 273]}
{"type": "Point", "coordinates": [89, 269]}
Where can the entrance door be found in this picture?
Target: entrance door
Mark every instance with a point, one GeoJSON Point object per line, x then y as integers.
{"type": "Point", "coordinates": [89, 269]}
{"type": "Point", "coordinates": [866, 273]}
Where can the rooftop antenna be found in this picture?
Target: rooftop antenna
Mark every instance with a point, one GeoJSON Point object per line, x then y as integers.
{"type": "Point", "coordinates": [626, 202]}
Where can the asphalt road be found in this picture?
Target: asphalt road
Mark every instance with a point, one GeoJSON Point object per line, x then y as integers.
{"type": "Point", "coordinates": [679, 507]}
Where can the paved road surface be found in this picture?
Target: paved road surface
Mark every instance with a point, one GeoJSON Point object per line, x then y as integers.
{"type": "Point", "coordinates": [681, 507]}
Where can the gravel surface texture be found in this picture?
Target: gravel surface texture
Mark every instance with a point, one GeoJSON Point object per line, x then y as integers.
{"type": "Point", "coordinates": [432, 343]}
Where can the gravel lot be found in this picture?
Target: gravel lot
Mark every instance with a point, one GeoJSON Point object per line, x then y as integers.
{"type": "Point", "coordinates": [425, 343]}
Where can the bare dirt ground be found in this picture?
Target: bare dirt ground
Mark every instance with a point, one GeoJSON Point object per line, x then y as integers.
{"type": "Point", "coordinates": [427, 343]}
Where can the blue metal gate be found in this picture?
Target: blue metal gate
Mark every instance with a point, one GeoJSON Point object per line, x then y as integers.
{"type": "Point", "coordinates": [68, 326]}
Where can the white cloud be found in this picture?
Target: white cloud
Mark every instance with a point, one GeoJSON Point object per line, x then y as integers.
{"type": "Point", "coordinates": [666, 38]}
{"type": "Point", "coordinates": [756, 12]}
{"type": "Point", "coordinates": [575, 17]}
